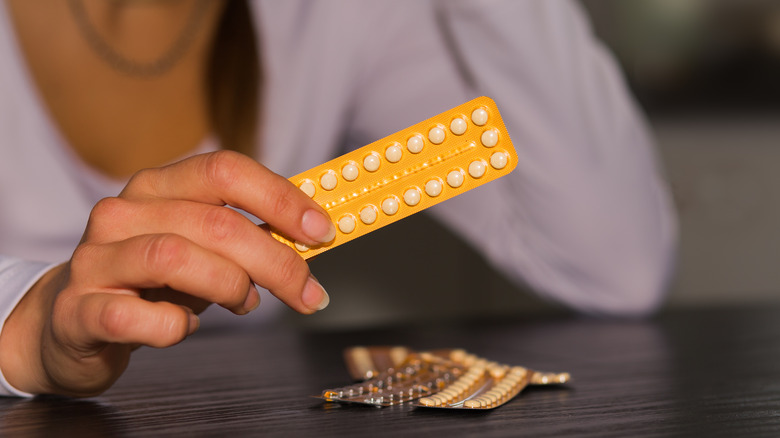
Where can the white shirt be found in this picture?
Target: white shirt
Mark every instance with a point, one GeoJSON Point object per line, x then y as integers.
{"type": "Point", "coordinates": [585, 218]}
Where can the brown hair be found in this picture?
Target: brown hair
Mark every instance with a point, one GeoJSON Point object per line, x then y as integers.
{"type": "Point", "coordinates": [233, 79]}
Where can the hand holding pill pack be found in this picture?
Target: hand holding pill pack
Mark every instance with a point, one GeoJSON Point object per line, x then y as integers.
{"type": "Point", "coordinates": [408, 171]}
{"type": "Point", "coordinates": [445, 379]}
{"type": "Point", "coordinates": [388, 180]}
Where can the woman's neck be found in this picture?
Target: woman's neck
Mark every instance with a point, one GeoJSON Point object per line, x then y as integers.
{"type": "Point", "coordinates": [116, 120]}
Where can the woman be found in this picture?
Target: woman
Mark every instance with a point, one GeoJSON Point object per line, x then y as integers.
{"type": "Point", "coordinates": [97, 90]}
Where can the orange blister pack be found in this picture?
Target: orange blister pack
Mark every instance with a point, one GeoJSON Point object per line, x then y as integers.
{"type": "Point", "coordinates": [408, 171]}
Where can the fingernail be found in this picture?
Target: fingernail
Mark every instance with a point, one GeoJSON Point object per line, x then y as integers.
{"type": "Point", "coordinates": [252, 299]}
{"type": "Point", "coordinates": [194, 323]}
{"type": "Point", "coordinates": [318, 226]}
{"type": "Point", "coordinates": [314, 296]}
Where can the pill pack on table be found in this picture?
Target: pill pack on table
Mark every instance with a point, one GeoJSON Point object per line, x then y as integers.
{"type": "Point", "coordinates": [408, 171]}
{"type": "Point", "coordinates": [442, 379]}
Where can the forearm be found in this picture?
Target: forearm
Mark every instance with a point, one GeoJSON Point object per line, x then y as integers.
{"type": "Point", "coordinates": [585, 218]}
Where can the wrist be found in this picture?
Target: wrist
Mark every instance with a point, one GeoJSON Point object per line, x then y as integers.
{"type": "Point", "coordinates": [20, 339]}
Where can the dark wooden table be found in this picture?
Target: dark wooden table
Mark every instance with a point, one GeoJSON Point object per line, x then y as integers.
{"type": "Point", "coordinates": [685, 373]}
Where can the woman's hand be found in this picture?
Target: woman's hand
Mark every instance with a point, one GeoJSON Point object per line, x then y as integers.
{"type": "Point", "coordinates": [153, 257]}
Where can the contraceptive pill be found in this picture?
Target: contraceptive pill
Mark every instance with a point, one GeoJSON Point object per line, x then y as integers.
{"type": "Point", "coordinates": [329, 180]}
{"type": "Point", "coordinates": [498, 160]}
{"type": "Point", "coordinates": [489, 138]}
{"type": "Point", "coordinates": [394, 153]}
{"type": "Point", "coordinates": [458, 126]}
{"type": "Point", "coordinates": [479, 116]}
{"type": "Point", "coordinates": [433, 187]}
{"type": "Point", "coordinates": [455, 178]}
{"type": "Point", "coordinates": [368, 214]}
{"type": "Point", "coordinates": [350, 171]}
{"type": "Point", "coordinates": [436, 135]}
{"type": "Point", "coordinates": [307, 186]}
{"type": "Point", "coordinates": [477, 168]}
{"type": "Point", "coordinates": [390, 206]}
{"type": "Point", "coordinates": [439, 379]}
{"type": "Point", "coordinates": [412, 197]}
{"type": "Point", "coordinates": [415, 143]}
{"type": "Point", "coordinates": [347, 223]}
{"type": "Point", "coordinates": [408, 171]}
{"type": "Point", "coordinates": [372, 162]}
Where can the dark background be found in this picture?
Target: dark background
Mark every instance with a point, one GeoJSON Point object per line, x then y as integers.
{"type": "Point", "coordinates": [707, 73]}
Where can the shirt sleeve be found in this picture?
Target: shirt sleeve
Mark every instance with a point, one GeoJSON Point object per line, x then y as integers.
{"type": "Point", "coordinates": [16, 278]}
{"type": "Point", "coordinates": [585, 219]}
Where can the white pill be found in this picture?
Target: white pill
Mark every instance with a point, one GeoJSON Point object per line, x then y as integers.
{"type": "Point", "coordinates": [308, 188]}
{"type": "Point", "coordinates": [469, 360]}
{"type": "Point", "coordinates": [493, 395]}
{"type": "Point", "coordinates": [471, 404]}
{"type": "Point", "coordinates": [415, 144]}
{"type": "Point", "coordinates": [455, 178]}
{"type": "Point", "coordinates": [412, 197]}
{"type": "Point", "coordinates": [390, 206]}
{"type": "Point", "coordinates": [436, 135]}
{"type": "Point", "coordinates": [368, 214]}
{"type": "Point", "coordinates": [458, 126]}
{"type": "Point", "coordinates": [433, 188]}
{"type": "Point", "coordinates": [329, 180]}
{"type": "Point", "coordinates": [371, 162]}
{"type": "Point", "coordinates": [490, 137]}
{"type": "Point", "coordinates": [475, 373]}
{"type": "Point", "coordinates": [427, 401]}
{"type": "Point", "coordinates": [347, 223]}
{"type": "Point", "coordinates": [503, 387]}
{"type": "Point", "coordinates": [498, 160]}
{"type": "Point", "coordinates": [459, 386]}
{"type": "Point", "coordinates": [301, 247]}
{"type": "Point", "coordinates": [457, 355]}
{"type": "Point", "coordinates": [448, 394]}
{"type": "Point", "coordinates": [497, 372]}
{"type": "Point", "coordinates": [350, 172]}
{"type": "Point", "coordinates": [479, 117]}
{"type": "Point", "coordinates": [394, 153]}
{"type": "Point", "coordinates": [477, 168]}
{"type": "Point", "coordinates": [518, 371]}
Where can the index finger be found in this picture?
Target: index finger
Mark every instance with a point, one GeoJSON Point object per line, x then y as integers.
{"type": "Point", "coordinates": [230, 178]}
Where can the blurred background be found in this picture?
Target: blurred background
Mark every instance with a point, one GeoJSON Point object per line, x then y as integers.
{"type": "Point", "coordinates": [707, 73]}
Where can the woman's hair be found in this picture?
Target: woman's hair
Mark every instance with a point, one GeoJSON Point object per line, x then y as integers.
{"type": "Point", "coordinates": [233, 79]}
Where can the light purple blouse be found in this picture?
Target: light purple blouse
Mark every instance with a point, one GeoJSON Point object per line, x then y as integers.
{"type": "Point", "coordinates": [585, 219]}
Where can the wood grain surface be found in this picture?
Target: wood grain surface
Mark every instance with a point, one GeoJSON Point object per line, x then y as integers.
{"type": "Point", "coordinates": [687, 373]}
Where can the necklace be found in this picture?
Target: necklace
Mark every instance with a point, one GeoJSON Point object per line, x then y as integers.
{"type": "Point", "coordinates": [131, 67]}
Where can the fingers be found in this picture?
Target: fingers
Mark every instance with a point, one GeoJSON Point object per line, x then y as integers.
{"type": "Point", "coordinates": [124, 319]}
{"type": "Point", "coordinates": [187, 199]}
{"type": "Point", "coordinates": [170, 260]}
{"type": "Point", "coordinates": [164, 260]}
{"type": "Point", "coordinates": [230, 178]}
{"type": "Point", "coordinates": [218, 229]}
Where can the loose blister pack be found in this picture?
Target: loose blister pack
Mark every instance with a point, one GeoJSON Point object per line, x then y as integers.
{"type": "Point", "coordinates": [443, 379]}
{"type": "Point", "coordinates": [408, 171]}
